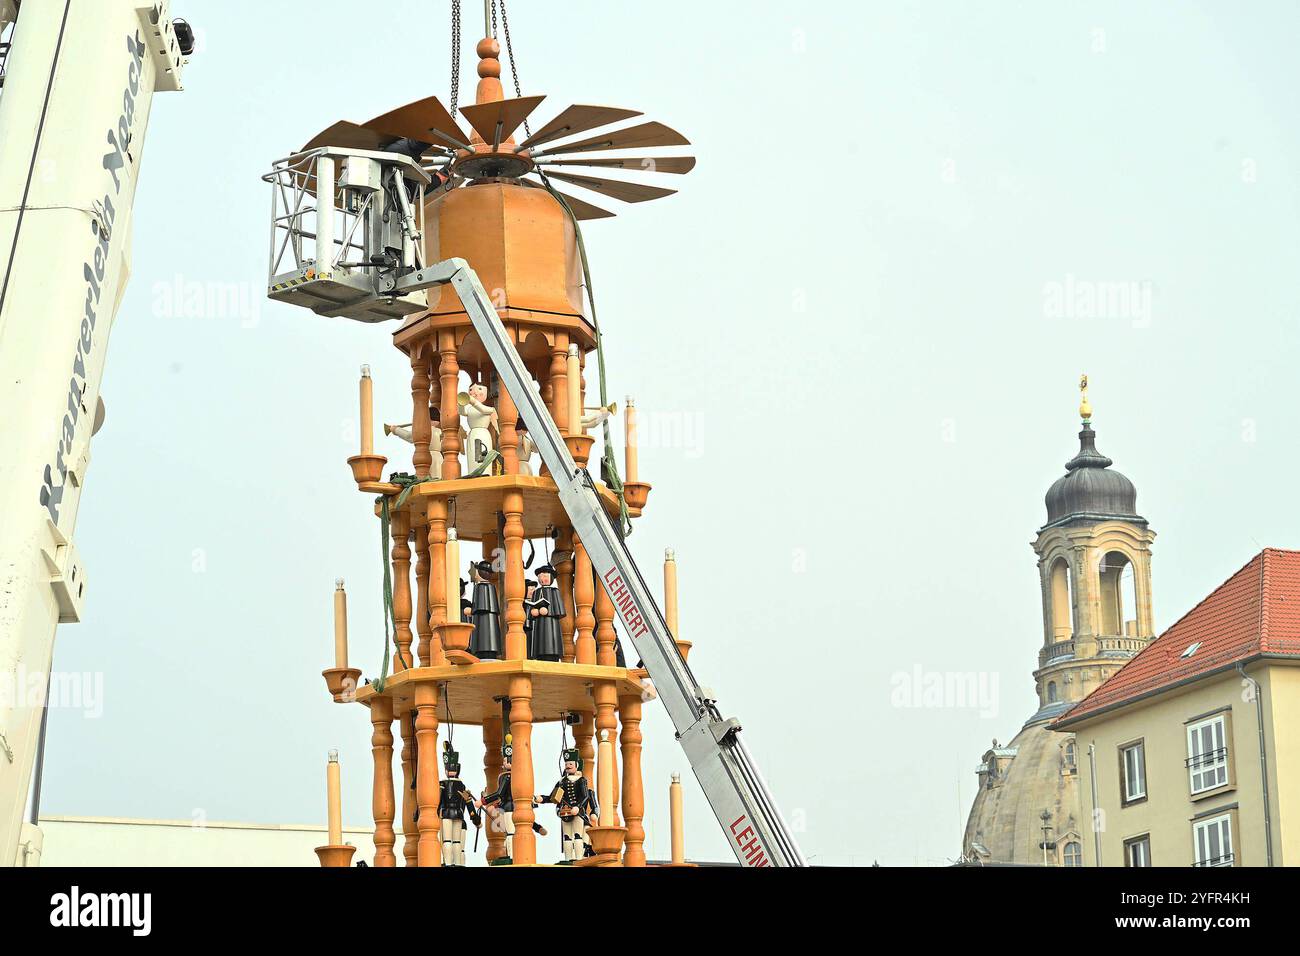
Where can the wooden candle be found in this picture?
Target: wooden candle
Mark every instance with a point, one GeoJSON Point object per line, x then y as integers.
{"type": "Point", "coordinates": [453, 576]}
{"type": "Point", "coordinates": [605, 780]}
{"type": "Point", "coordinates": [335, 800]}
{"type": "Point", "coordinates": [675, 815]}
{"type": "Point", "coordinates": [367, 412]}
{"type": "Point", "coordinates": [574, 381]}
{"type": "Point", "coordinates": [630, 440]}
{"type": "Point", "coordinates": [670, 590]}
{"type": "Point", "coordinates": [340, 625]}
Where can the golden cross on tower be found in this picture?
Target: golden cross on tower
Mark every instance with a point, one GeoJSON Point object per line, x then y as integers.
{"type": "Point", "coordinates": [1085, 408]}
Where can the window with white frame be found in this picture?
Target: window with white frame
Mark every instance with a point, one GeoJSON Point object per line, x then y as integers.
{"type": "Point", "coordinates": [1212, 841]}
{"type": "Point", "coordinates": [1137, 851]}
{"type": "Point", "coordinates": [1133, 763]}
{"type": "Point", "coordinates": [1073, 855]}
{"type": "Point", "coordinates": [1207, 754]}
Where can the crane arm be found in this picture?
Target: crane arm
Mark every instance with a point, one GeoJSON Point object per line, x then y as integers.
{"type": "Point", "coordinates": [727, 773]}
{"type": "Point", "coordinates": [78, 85]}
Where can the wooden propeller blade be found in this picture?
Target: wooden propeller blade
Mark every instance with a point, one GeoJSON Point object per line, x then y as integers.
{"type": "Point", "coordinates": [644, 134]}
{"type": "Point", "coordinates": [419, 121]}
{"type": "Point", "coordinates": [618, 189]}
{"type": "Point", "coordinates": [644, 164]}
{"type": "Point", "coordinates": [350, 136]}
{"type": "Point", "coordinates": [496, 121]}
{"type": "Point", "coordinates": [577, 119]}
{"type": "Point", "coordinates": [581, 210]}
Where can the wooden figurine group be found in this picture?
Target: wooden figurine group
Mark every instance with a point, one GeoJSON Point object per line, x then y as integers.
{"type": "Point", "coordinates": [481, 431]}
{"type": "Point", "coordinates": [575, 805]}
{"type": "Point", "coordinates": [543, 611]}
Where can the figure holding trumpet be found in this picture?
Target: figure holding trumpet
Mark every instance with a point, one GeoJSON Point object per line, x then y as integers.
{"type": "Point", "coordinates": [406, 433]}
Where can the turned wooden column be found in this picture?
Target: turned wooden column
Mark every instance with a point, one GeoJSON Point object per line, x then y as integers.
{"type": "Point", "coordinates": [507, 417]}
{"type": "Point", "coordinates": [448, 410]}
{"type": "Point", "coordinates": [410, 838]}
{"type": "Point", "coordinates": [559, 380]}
{"type": "Point", "coordinates": [633, 787]}
{"type": "Point", "coordinates": [429, 846]}
{"type": "Point", "coordinates": [606, 695]}
{"type": "Point", "coordinates": [401, 525]}
{"type": "Point", "coordinates": [492, 764]}
{"type": "Point", "coordinates": [381, 746]}
{"type": "Point", "coordinates": [516, 643]}
{"type": "Point", "coordinates": [605, 634]}
{"type": "Point", "coordinates": [521, 774]}
{"type": "Point", "coordinates": [564, 580]}
{"type": "Point", "coordinates": [421, 425]}
{"type": "Point", "coordinates": [437, 541]}
{"type": "Point", "coordinates": [423, 625]}
{"type": "Point", "coordinates": [584, 597]}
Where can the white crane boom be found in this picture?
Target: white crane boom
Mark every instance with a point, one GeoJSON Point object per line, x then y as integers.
{"type": "Point", "coordinates": [755, 829]}
{"type": "Point", "coordinates": [78, 82]}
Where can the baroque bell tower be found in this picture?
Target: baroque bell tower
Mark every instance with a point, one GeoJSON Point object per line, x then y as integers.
{"type": "Point", "coordinates": [1094, 564]}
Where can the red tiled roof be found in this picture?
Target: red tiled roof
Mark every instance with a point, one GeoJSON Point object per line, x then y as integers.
{"type": "Point", "coordinates": [1256, 611]}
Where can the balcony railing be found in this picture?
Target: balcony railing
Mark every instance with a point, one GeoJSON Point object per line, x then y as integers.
{"type": "Point", "coordinates": [1055, 651]}
{"type": "Point", "coordinates": [1120, 645]}
{"type": "Point", "coordinates": [1224, 860]}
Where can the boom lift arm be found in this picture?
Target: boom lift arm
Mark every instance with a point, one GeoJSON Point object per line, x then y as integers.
{"type": "Point", "coordinates": [730, 779]}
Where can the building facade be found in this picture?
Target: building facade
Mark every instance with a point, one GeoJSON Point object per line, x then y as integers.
{"type": "Point", "coordinates": [1094, 565]}
{"type": "Point", "coordinates": [1188, 756]}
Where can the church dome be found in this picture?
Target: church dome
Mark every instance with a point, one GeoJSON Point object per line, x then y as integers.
{"type": "Point", "coordinates": [1019, 782]}
{"type": "Point", "coordinates": [1090, 489]}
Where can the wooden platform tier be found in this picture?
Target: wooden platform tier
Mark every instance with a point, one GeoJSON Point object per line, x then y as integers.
{"type": "Point", "coordinates": [475, 690]}
{"type": "Point", "coordinates": [479, 499]}
{"type": "Point", "coordinates": [532, 332]}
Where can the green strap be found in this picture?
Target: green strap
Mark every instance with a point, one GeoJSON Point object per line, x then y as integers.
{"type": "Point", "coordinates": [611, 466]}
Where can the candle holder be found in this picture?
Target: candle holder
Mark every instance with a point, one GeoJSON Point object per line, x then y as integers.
{"type": "Point", "coordinates": [342, 683]}
{"type": "Point", "coordinates": [367, 469]}
{"type": "Point", "coordinates": [606, 840]}
{"type": "Point", "coordinates": [335, 856]}
{"type": "Point", "coordinates": [580, 448]}
{"type": "Point", "coordinates": [455, 641]}
{"type": "Point", "coordinates": [683, 647]}
{"type": "Point", "coordinates": [635, 494]}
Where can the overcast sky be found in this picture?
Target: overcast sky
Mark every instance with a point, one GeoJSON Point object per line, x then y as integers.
{"type": "Point", "coordinates": [857, 331]}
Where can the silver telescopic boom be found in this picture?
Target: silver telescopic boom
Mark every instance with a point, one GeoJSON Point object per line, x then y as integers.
{"type": "Point", "coordinates": [731, 781]}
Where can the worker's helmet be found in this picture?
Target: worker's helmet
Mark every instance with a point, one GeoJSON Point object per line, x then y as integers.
{"type": "Point", "coordinates": [574, 755]}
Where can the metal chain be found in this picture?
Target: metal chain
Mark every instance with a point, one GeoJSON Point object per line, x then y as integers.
{"type": "Point", "coordinates": [510, 51]}
{"type": "Point", "coordinates": [455, 54]}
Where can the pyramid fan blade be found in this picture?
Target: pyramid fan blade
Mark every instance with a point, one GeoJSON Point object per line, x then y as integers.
{"type": "Point", "coordinates": [645, 164]}
{"type": "Point", "coordinates": [419, 120]}
{"type": "Point", "coordinates": [585, 210]}
{"type": "Point", "coordinates": [628, 192]}
{"type": "Point", "coordinates": [581, 209]}
{"type": "Point", "coordinates": [644, 134]}
{"type": "Point", "coordinates": [485, 117]}
{"type": "Point", "coordinates": [577, 119]}
{"type": "Point", "coordinates": [350, 136]}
